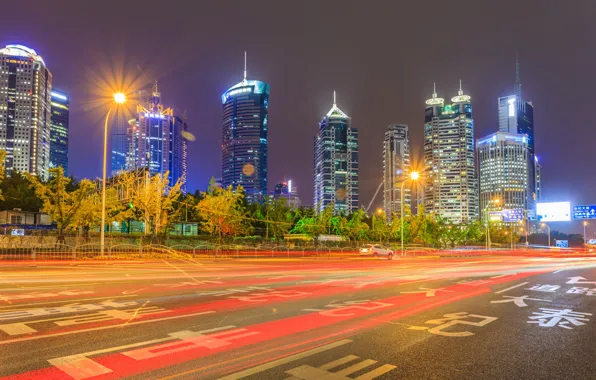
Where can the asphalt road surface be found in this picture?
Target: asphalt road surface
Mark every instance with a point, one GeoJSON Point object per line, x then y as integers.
{"type": "Point", "coordinates": [436, 318]}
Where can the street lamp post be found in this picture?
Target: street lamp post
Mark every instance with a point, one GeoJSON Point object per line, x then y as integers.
{"type": "Point", "coordinates": [496, 201]}
{"type": "Point", "coordinates": [585, 224]}
{"type": "Point", "coordinates": [548, 228]}
{"type": "Point", "coordinates": [414, 177]}
{"type": "Point", "coordinates": [119, 98]}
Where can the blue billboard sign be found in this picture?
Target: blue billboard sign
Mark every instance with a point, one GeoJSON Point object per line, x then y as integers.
{"type": "Point", "coordinates": [513, 215]}
{"type": "Point", "coordinates": [562, 243]}
{"type": "Point", "coordinates": [584, 212]}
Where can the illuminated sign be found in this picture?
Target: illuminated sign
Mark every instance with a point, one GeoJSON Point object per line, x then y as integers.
{"type": "Point", "coordinates": [155, 115]}
{"type": "Point", "coordinates": [461, 99]}
{"type": "Point", "coordinates": [290, 186]}
{"type": "Point", "coordinates": [495, 216]}
{"type": "Point", "coordinates": [584, 212]}
{"type": "Point", "coordinates": [513, 215]}
{"type": "Point", "coordinates": [553, 211]}
{"type": "Point", "coordinates": [562, 243]}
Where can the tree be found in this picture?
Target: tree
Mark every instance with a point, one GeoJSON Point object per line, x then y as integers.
{"type": "Point", "coordinates": [222, 212]}
{"type": "Point", "coordinates": [89, 214]}
{"type": "Point", "coordinates": [18, 193]}
{"type": "Point", "coordinates": [357, 229]}
{"type": "Point", "coordinates": [152, 200]}
{"type": "Point", "coordinates": [60, 200]}
{"type": "Point", "coordinates": [381, 230]}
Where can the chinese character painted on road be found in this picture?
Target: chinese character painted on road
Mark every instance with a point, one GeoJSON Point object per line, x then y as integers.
{"type": "Point", "coordinates": [562, 318]}
{"type": "Point", "coordinates": [429, 291]}
{"type": "Point", "coordinates": [580, 290]}
{"type": "Point", "coordinates": [453, 319]}
{"type": "Point", "coordinates": [578, 280]}
{"type": "Point", "coordinates": [545, 288]}
{"type": "Point", "coordinates": [334, 370]}
{"type": "Point", "coordinates": [519, 301]}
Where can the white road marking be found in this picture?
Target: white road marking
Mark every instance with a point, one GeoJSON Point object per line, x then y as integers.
{"type": "Point", "coordinates": [103, 328]}
{"type": "Point", "coordinates": [512, 287]}
{"type": "Point", "coordinates": [288, 359]}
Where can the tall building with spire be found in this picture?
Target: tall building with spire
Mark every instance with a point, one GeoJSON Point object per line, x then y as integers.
{"type": "Point", "coordinates": [450, 188]}
{"type": "Point", "coordinates": [336, 163]}
{"type": "Point", "coordinates": [154, 140]}
{"type": "Point", "coordinates": [25, 110]}
{"type": "Point", "coordinates": [517, 116]}
{"type": "Point", "coordinates": [396, 166]}
{"type": "Point", "coordinates": [245, 137]}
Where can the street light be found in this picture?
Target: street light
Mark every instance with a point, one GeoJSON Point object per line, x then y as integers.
{"type": "Point", "coordinates": [548, 228]}
{"type": "Point", "coordinates": [414, 176]}
{"type": "Point", "coordinates": [119, 98]}
{"type": "Point", "coordinates": [495, 201]}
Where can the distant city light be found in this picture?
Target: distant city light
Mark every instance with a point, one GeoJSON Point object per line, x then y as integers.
{"type": "Point", "coordinates": [59, 96]}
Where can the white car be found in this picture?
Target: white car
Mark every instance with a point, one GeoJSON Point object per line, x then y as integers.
{"type": "Point", "coordinates": [376, 250]}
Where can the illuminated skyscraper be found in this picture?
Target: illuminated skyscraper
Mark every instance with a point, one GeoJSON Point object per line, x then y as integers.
{"type": "Point", "coordinates": [59, 130]}
{"type": "Point", "coordinates": [244, 137]}
{"type": "Point", "coordinates": [336, 163]}
{"type": "Point", "coordinates": [154, 140]}
{"type": "Point", "coordinates": [517, 116]}
{"type": "Point", "coordinates": [25, 110]}
{"type": "Point", "coordinates": [450, 188]}
{"type": "Point", "coordinates": [396, 166]}
{"type": "Point", "coordinates": [503, 172]}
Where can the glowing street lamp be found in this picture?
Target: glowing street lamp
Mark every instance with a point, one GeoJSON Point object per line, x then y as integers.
{"type": "Point", "coordinates": [414, 176]}
{"type": "Point", "coordinates": [119, 98]}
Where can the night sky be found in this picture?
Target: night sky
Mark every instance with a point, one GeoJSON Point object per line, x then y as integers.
{"type": "Point", "coordinates": [380, 56]}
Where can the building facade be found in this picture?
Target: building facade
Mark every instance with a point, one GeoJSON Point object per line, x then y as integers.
{"type": "Point", "coordinates": [154, 141]}
{"type": "Point", "coordinates": [336, 163]}
{"type": "Point", "coordinates": [286, 192]}
{"type": "Point", "coordinates": [245, 138]}
{"type": "Point", "coordinates": [450, 185]}
{"type": "Point", "coordinates": [503, 172]}
{"type": "Point", "coordinates": [59, 130]}
{"type": "Point", "coordinates": [517, 116]}
{"type": "Point", "coordinates": [396, 166]}
{"type": "Point", "coordinates": [25, 110]}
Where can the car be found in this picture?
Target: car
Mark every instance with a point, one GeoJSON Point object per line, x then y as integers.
{"type": "Point", "coordinates": [376, 250]}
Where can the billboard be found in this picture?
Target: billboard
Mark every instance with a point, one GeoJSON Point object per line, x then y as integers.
{"type": "Point", "coordinates": [513, 215]}
{"type": "Point", "coordinates": [553, 211]}
{"type": "Point", "coordinates": [584, 212]}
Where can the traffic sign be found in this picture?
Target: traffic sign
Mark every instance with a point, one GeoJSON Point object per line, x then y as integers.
{"type": "Point", "coordinates": [562, 243]}
{"type": "Point", "coordinates": [584, 212]}
{"type": "Point", "coordinates": [512, 215]}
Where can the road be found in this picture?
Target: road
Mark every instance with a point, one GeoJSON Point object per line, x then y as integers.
{"type": "Point", "coordinates": [489, 317]}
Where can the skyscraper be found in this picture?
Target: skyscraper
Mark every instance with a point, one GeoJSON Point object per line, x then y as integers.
{"type": "Point", "coordinates": [503, 172]}
{"type": "Point", "coordinates": [25, 111]}
{"type": "Point", "coordinates": [59, 130]}
{"type": "Point", "coordinates": [153, 140]}
{"type": "Point", "coordinates": [396, 166]}
{"type": "Point", "coordinates": [336, 163]}
{"type": "Point", "coordinates": [517, 116]}
{"type": "Point", "coordinates": [119, 143]}
{"type": "Point", "coordinates": [450, 188]}
{"type": "Point", "coordinates": [244, 137]}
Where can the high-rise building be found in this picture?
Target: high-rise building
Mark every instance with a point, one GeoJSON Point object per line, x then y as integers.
{"type": "Point", "coordinates": [517, 116]}
{"type": "Point", "coordinates": [538, 169]}
{"type": "Point", "coordinates": [336, 163]}
{"type": "Point", "coordinates": [244, 137]}
{"type": "Point", "coordinates": [450, 188]}
{"type": "Point", "coordinates": [396, 166]}
{"type": "Point", "coordinates": [119, 143]}
{"type": "Point", "coordinates": [154, 140]}
{"type": "Point", "coordinates": [503, 172]}
{"type": "Point", "coordinates": [59, 130]}
{"type": "Point", "coordinates": [25, 110]}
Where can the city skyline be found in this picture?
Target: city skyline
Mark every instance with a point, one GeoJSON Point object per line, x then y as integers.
{"type": "Point", "coordinates": [374, 98]}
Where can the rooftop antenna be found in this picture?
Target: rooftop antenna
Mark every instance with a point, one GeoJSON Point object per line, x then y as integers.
{"type": "Point", "coordinates": [434, 90]}
{"type": "Point", "coordinates": [334, 103]}
{"type": "Point", "coordinates": [460, 92]}
{"type": "Point", "coordinates": [244, 66]}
